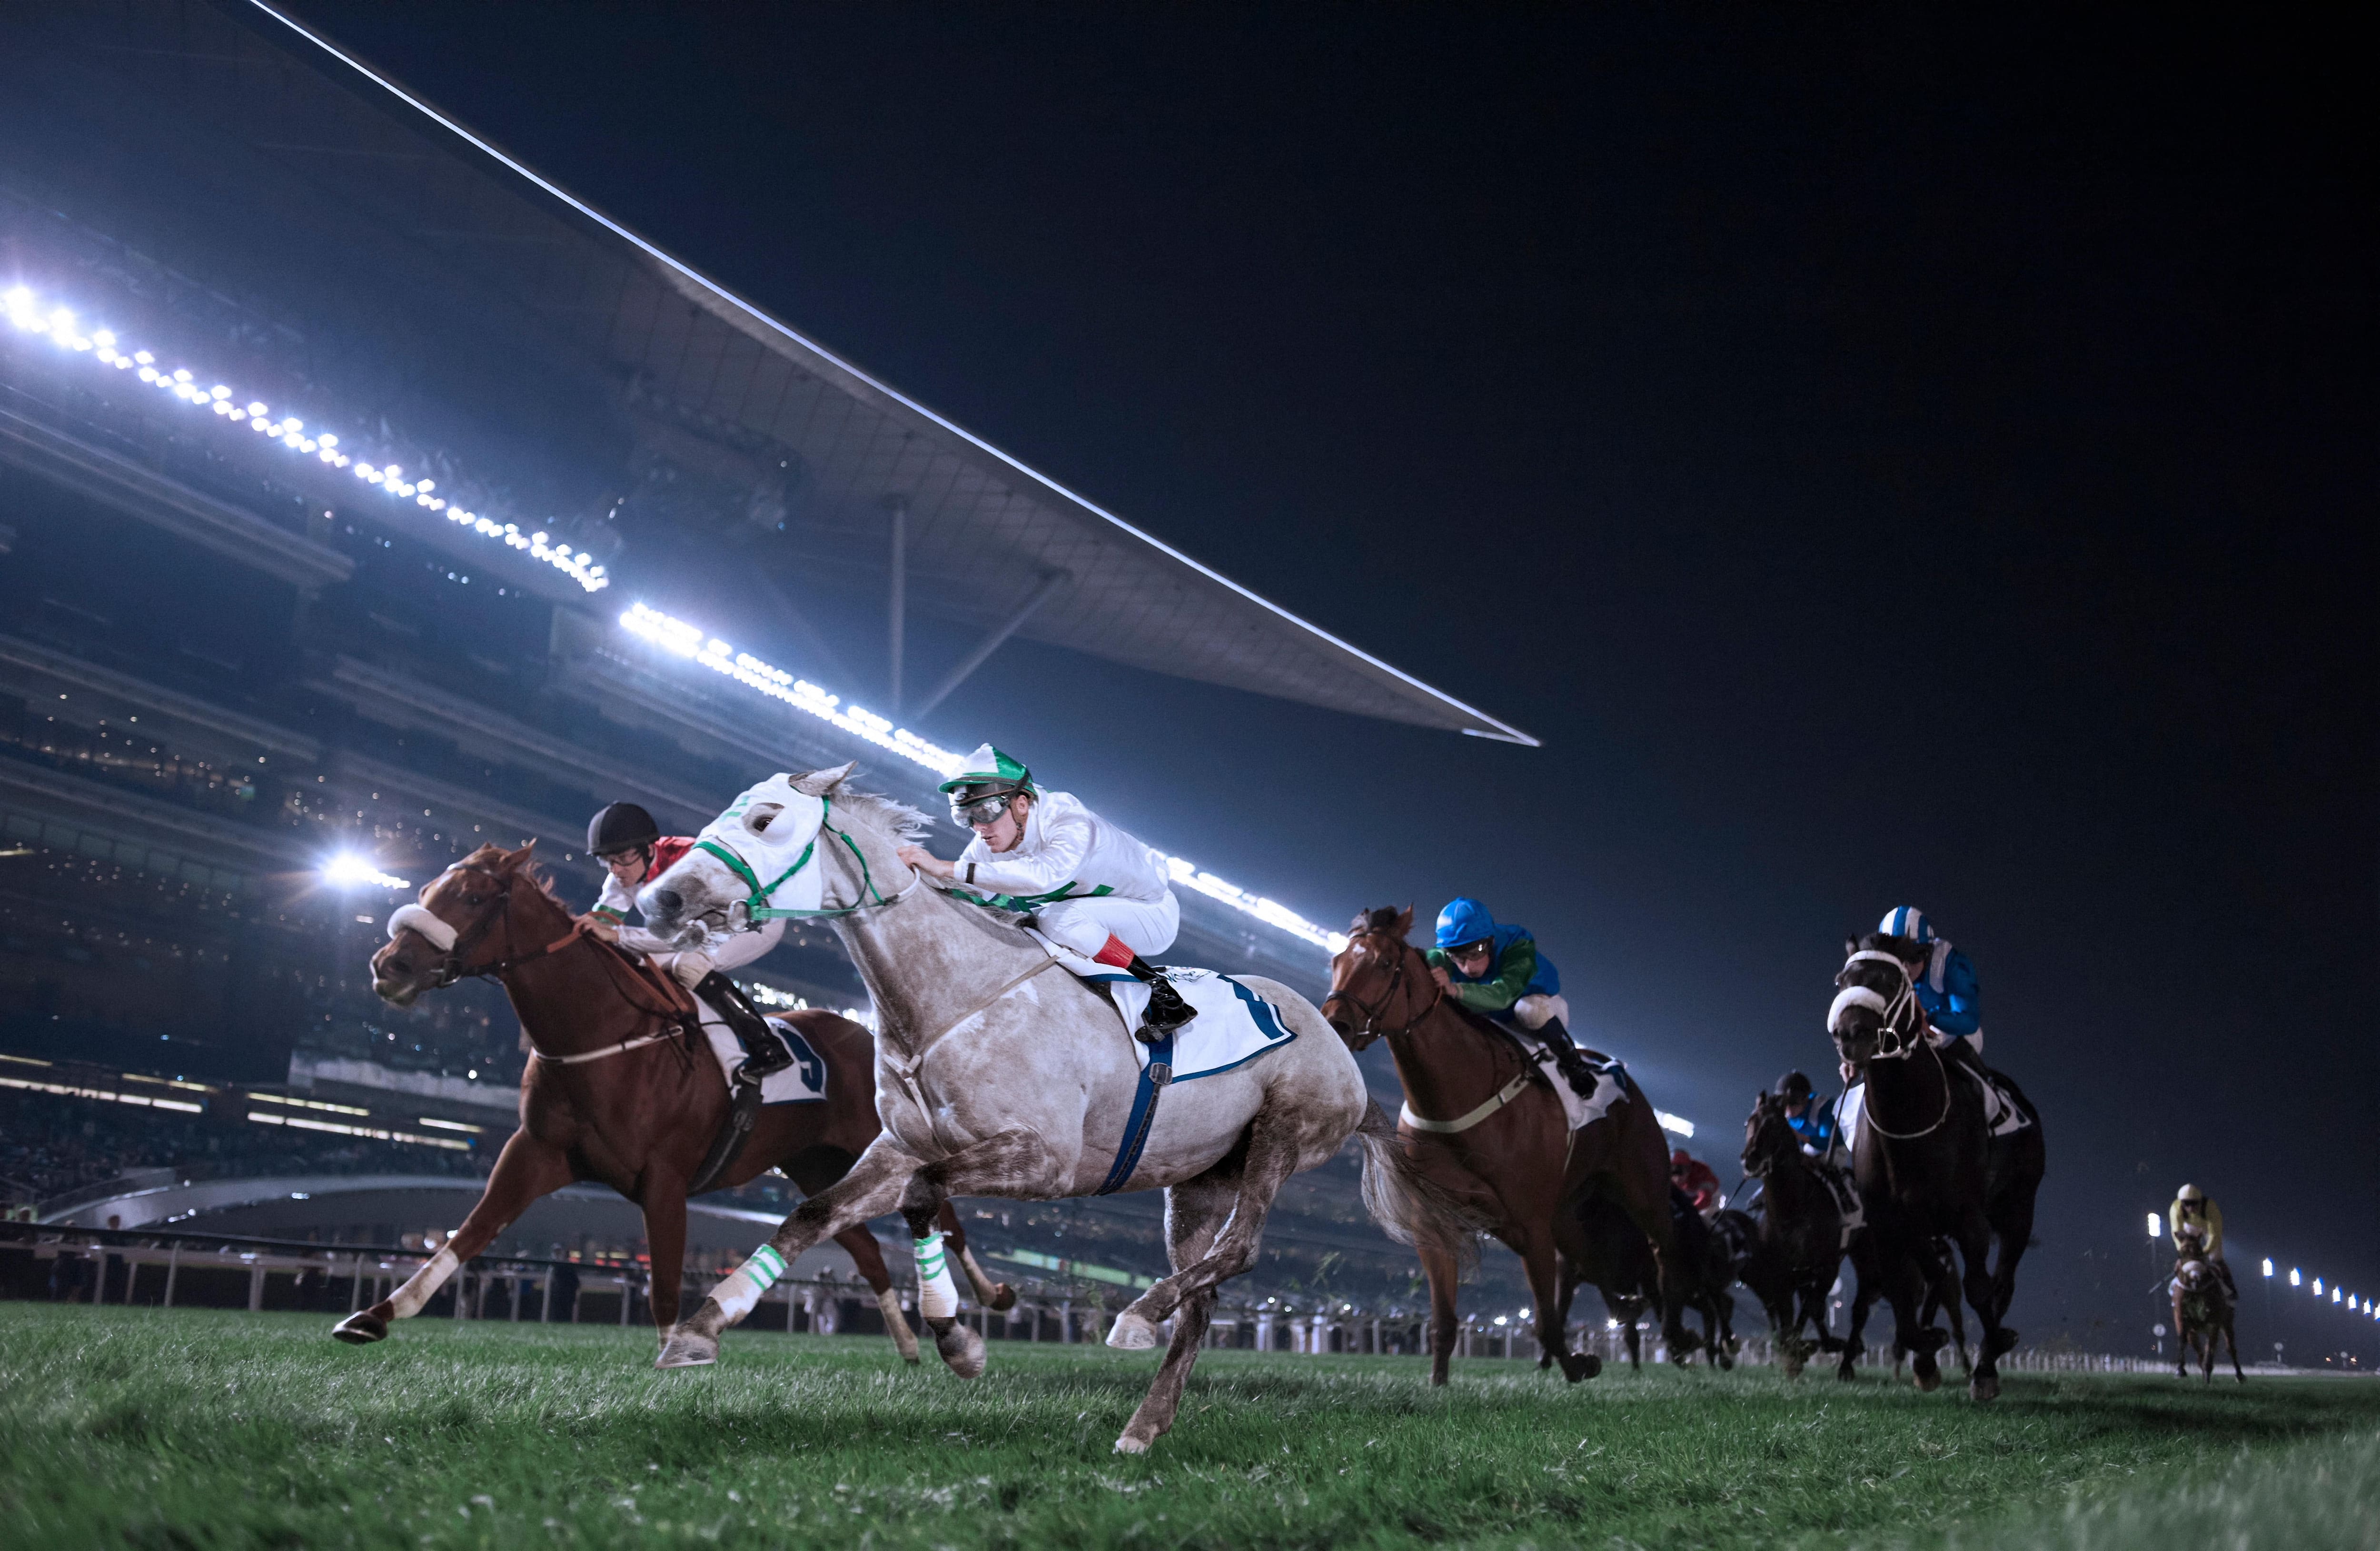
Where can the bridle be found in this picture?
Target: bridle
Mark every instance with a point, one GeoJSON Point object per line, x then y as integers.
{"type": "Point", "coordinates": [1769, 1153]}
{"type": "Point", "coordinates": [456, 945]}
{"type": "Point", "coordinates": [1373, 1012]}
{"type": "Point", "coordinates": [1892, 1015]}
{"type": "Point", "coordinates": [757, 910]}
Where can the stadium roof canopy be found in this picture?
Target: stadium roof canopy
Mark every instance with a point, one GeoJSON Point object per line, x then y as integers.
{"type": "Point", "coordinates": [740, 424]}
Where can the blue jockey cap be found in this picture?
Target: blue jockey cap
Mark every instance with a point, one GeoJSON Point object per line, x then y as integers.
{"type": "Point", "coordinates": [1464, 920]}
{"type": "Point", "coordinates": [1907, 921]}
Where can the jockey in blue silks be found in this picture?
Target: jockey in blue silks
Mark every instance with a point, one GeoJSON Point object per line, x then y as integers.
{"type": "Point", "coordinates": [1945, 984]}
{"type": "Point", "coordinates": [1499, 973]}
{"type": "Point", "coordinates": [1813, 1122]}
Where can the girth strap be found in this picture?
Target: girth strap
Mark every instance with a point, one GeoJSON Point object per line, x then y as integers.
{"type": "Point", "coordinates": [1151, 1085]}
{"type": "Point", "coordinates": [1504, 1096]}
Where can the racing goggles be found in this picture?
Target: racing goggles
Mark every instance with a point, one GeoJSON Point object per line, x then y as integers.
{"type": "Point", "coordinates": [1471, 950]}
{"type": "Point", "coordinates": [974, 806]}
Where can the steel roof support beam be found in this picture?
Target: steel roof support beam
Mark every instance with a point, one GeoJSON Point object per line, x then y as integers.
{"type": "Point", "coordinates": [989, 643]}
{"type": "Point", "coordinates": [898, 604]}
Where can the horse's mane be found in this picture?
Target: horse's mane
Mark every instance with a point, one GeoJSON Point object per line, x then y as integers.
{"type": "Point", "coordinates": [495, 856]}
{"type": "Point", "coordinates": [903, 821]}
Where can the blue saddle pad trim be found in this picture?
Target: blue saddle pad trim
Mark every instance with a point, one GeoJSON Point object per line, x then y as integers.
{"type": "Point", "coordinates": [1260, 1012]}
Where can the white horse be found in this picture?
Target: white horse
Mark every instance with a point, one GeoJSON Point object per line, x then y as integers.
{"type": "Point", "coordinates": [1000, 1074]}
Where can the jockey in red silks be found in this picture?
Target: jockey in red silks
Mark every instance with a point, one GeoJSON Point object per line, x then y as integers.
{"type": "Point", "coordinates": [1084, 884]}
{"type": "Point", "coordinates": [633, 851]}
{"type": "Point", "coordinates": [1692, 1176]}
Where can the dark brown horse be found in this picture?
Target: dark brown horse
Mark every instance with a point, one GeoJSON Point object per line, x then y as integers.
{"type": "Point", "coordinates": [1484, 1126]}
{"type": "Point", "coordinates": [1800, 1243]}
{"type": "Point", "coordinates": [616, 1092]}
{"type": "Point", "coordinates": [2203, 1309]}
{"type": "Point", "coordinates": [1928, 1166]}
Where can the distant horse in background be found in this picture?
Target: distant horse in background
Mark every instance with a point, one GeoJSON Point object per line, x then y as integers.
{"type": "Point", "coordinates": [2203, 1308]}
{"type": "Point", "coordinates": [617, 1089]}
{"type": "Point", "coordinates": [1481, 1122]}
{"type": "Point", "coordinates": [1928, 1166]}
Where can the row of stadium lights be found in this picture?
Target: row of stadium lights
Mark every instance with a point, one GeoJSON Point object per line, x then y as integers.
{"type": "Point", "coordinates": [59, 324]}
{"type": "Point", "coordinates": [2353, 1302]}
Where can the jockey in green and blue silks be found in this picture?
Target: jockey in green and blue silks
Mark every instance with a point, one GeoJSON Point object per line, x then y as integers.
{"type": "Point", "coordinates": [1084, 884]}
{"type": "Point", "coordinates": [1944, 980]}
{"type": "Point", "coordinates": [1499, 973]}
{"type": "Point", "coordinates": [1813, 1122]}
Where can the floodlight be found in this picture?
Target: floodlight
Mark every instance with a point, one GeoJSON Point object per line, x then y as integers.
{"type": "Point", "coordinates": [349, 871]}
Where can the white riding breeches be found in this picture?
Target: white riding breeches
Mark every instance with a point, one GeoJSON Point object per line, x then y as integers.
{"type": "Point", "coordinates": [1146, 926]}
{"type": "Point", "coordinates": [1534, 1012]}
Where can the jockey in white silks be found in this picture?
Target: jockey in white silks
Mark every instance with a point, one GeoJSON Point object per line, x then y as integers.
{"type": "Point", "coordinates": [1087, 885]}
{"type": "Point", "coordinates": [633, 851]}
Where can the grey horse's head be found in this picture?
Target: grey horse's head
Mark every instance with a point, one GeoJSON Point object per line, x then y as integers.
{"type": "Point", "coordinates": [765, 830]}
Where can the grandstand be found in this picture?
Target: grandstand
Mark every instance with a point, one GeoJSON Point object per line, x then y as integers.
{"type": "Point", "coordinates": [364, 498]}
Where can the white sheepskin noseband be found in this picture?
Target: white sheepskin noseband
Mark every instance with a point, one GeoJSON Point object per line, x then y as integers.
{"type": "Point", "coordinates": [1849, 997]}
{"type": "Point", "coordinates": [440, 935]}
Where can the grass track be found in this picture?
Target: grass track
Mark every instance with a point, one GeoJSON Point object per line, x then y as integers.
{"type": "Point", "coordinates": [196, 1429]}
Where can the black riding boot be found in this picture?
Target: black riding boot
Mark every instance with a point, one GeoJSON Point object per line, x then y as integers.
{"type": "Point", "coordinates": [763, 1051]}
{"type": "Point", "coordinates": [1166, 1011]}
{"type": "Point", "coordinates": [1567, 1059]}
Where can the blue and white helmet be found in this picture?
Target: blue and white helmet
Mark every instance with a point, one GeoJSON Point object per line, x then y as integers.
{"type": "Point", "coordinates": [1907, 921]}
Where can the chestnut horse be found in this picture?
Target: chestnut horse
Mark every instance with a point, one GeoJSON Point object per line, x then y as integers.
{"type": "Point", "coordinates": [613, 1092]}
{"type": "Point", "coordinates": [1481, 1123]}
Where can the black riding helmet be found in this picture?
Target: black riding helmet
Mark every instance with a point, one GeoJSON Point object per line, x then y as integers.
{"type": "Point", "coordinates": [1793, 1086]}
{"type": "Point", "coordinates": [621, 827]}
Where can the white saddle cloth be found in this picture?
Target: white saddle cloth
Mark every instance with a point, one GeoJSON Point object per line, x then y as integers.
{"type": "Point", "coordinates": [1582, 1109]}
{"type": "Point", "coordinates": [1234, 1025]}
{"type": "Point", "coordinates": [802, 1082]}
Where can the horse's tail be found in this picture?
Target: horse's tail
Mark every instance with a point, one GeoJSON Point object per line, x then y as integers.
{"type": "Point", "coordinates": [1409, 1206]}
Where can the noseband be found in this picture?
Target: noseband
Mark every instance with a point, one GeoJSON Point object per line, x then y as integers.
{"type": "Point", "coordinates": [1905, 1041]}
{"type": "Point", "coordinates": [428, 926]}
{"type": "Point", "coordinates": [1372, 1013]}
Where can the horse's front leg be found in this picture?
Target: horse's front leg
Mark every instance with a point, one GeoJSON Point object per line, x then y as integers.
{"type": "Point", "coordinates": [925, 1208]}
{"type": "Point", "coordinates": [873, 1187]}
{"type": "Point", "coordinates": [524, 1171]}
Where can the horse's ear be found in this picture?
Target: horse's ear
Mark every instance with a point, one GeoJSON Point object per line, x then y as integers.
{"type": "Point", "coordinates": [1851, 946]}
{"type": "Point", "coordinates": [821, 783]}
{"type": "Point", "coordinates": [516, 860]}
{"type": "Point", "coordinates": [1405, 920]}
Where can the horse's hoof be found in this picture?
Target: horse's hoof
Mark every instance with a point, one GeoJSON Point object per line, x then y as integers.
{"type": "Point", "coordinates": [1847, 1373]}
{"type": "Point", "coordinates": [1003, 1298]}
{"type": "Point", "coordinates": [361, 1328]}
{"type": "Point", "coordinates": [685, 1350]}
{"type": "Point", "coordinates": [1927, 1374]}
{"type": "Point", "coordinates": [2000, 1342]}
{"type": "Point", "coordinates": [1130, 1445]}
{"type": "Point", "coordinates": [1132, 1333]}
{"type": "Point", "coordinates": [962, 1350]}
{"type": "Point", "coordinates": [1984, 1387]}
{"type": "Point", "coordinates": [1578, 1365]}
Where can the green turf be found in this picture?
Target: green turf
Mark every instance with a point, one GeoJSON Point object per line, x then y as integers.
{"type": "Point", "coordinates": [198, 1429]}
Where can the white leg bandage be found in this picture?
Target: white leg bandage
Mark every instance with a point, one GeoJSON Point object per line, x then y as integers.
{"type": "Point", "coordinates": [938, 1296]}
{"type": "Point", "coordinates": [419, 1287]}
{"type": "Point", "coordinates": [739, 1292]}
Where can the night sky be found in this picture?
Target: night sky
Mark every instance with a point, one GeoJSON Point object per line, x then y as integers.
{"type": "Point", "coordinates": [1888, 458]}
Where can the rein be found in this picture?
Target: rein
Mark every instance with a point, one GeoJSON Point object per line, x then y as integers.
{"type": "Point", "coordinates": [1372, 1013]}
{"type": "Point", "coordinates": [1906, 1042]}
{"type": "Point", "coordinates": [457, 946]}
{"type": "Point", "coordinates": [759, 912]}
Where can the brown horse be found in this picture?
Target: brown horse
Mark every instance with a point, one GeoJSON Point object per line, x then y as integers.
{"type": "Point", "coordinates": [1482, 1124]}
{"type": "Point", "coordinates": [614, 1091]}
{"type": "Point", "coordinates": [2203, 1309]}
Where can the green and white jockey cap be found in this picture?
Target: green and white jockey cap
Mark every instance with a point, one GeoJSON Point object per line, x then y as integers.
{"type": "Point", "coordinates": [983, 788]}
